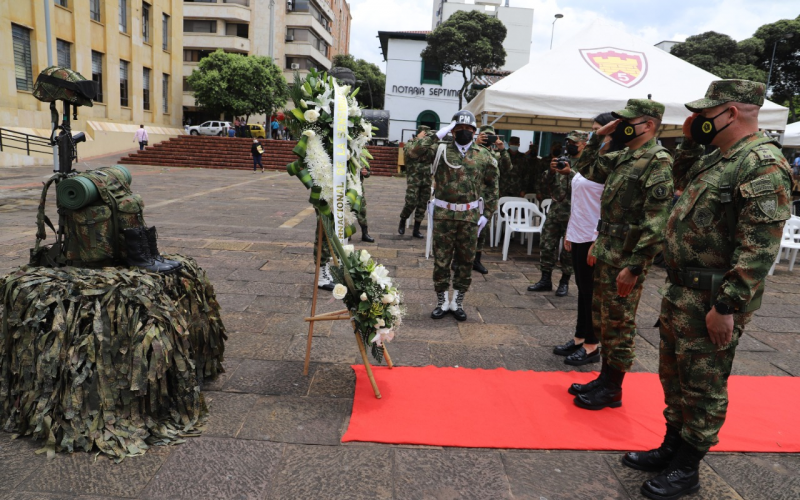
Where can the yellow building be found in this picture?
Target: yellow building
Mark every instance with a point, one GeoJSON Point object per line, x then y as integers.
{"type": "Point", "coordinates": [132, 48]}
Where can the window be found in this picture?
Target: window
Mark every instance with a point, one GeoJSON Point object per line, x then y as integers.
{"type": "Point", "coordinates": [307, 6]}
{"type": "Point", "coordinates": [429, 118]}
{"type": "Point", "coordinates": [430, 74]}
{"type": "Point", "coordinates": [186, 86]}
{"type": "Point", "coordinates": [145, 22]}
{"type": "Point", "coordinates": [165, 92]}
{"type": "Point", "coordinates": [199, 26]}
{"type": "Point", "coordinates": [146, 89]}
{"type": "Point", "coordinates": [64, 53]}
{"type": "Point", "coordinates": [235, 29]}
{"type": "Point", "coordinates": [195, 55]}
{"type": "Point", "coordinates": [97, 74]}
{"type": "Point", "coordinates": [301, 63]}
{"type": "Point", "coordinates": [62, 3]}
{"type": "Point", "coordinates": [94, 10]}
{"type": "Point", "coordinates": [123, 16]}
{"type": "Point", "coordinates": [165, 31]}
{"type": "Point", "coordinates": [23, 64]}
{"type": "Point", "coordinates": [123, 83]}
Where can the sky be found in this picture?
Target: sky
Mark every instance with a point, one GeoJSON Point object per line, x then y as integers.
{"type": "Point", "coordinates": [653, 20]}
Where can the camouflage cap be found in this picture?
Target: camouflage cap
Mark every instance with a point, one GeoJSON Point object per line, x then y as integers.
{"type": "Point", "coordinates": [423, 128]}
{"type": "Point", "coordinates": [722, 91]}
{"type": "Point", "coordinates": [578, 136]}
{"type": "Point", "coordinates": [513, 140]}
{"type": "Point", "coordinates": [488, 129]}
{"type": "Point", "coordinates": [640, 107]}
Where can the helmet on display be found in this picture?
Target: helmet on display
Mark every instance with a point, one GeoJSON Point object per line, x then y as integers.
{"type": "Point", "coordinates": [464, 117]}
{"type": "Point", "coordinates": [63, 84]}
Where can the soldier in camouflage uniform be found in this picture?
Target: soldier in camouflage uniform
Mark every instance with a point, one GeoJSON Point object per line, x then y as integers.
{"type": "Point", "coordinates": [418, 188]}
{"type": "Point", "coordinates": [721, 239]}
{"type": "Point", "coordinates": [517, 172]}
{"type": "Point", "coordinates": [465, 184]}
{"type": "Point", "coordinates": [557, 186]}
{"type": "Point", "coordinates": [633, 209]}
{"type": "Point", "coordinates": [498, 151]}
{"type": "Point", "coordinates": [362, 215]}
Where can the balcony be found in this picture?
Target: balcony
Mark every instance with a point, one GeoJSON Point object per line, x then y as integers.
{"type": "Point", "coordinates": [215, 41]}
{"type": "Point", "coordinates": [228, 11]}
{"type": "Point", "coordinates": [306, 20]}
{"type": "Point", "coordinates": [306, 50]}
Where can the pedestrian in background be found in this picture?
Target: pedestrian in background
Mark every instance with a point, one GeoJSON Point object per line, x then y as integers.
{"type": "Point", "coordinates": [141, 137]}
{"type": "Point", "coordinates": [275, 126]}
{"type": "Point", "coordinates": [256, 150]}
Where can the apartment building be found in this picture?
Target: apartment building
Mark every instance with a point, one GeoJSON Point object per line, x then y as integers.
{"type": "Point", "coordinates": [131, 48]}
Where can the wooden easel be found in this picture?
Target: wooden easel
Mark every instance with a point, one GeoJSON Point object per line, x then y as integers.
{"type": "Point", "coordinates": [343, 314]}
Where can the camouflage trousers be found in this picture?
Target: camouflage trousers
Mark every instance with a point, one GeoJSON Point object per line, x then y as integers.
{"type": "Point", "coordinates": [418, 192]}
{"type": "Point", "coordinates": [615, 315]}
{"type": "Point", "coordinates": [482, 238]}
{"type": "Point", "coordinates": [453, 240]}
{"type": "Point", "coordinates": [554, 229]}
{"type": "Point", "coordinates": [362, 215]}
{"type": "Point", "coordinates": [693, 371]}
{"type": "Point", "coordinates": [326, 251]}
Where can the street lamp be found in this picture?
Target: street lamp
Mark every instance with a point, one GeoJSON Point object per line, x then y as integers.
{"type": "Point", "coordinates": [772, 61]}
{"type": "Point", "coordinates": [552, 32]}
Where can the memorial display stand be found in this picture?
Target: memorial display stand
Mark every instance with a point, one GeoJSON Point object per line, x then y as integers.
{"type": "Point", "coordinates": [343, 314]}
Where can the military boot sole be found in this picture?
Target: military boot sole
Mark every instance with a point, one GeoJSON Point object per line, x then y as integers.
{"type": "Point", "coordinates": [599, 406]}
{"type": "Point", "coordinates": [656, 496]}
{"type": "Point", "coordinates": [368, 239]}
{"type": "Point", "coordinates": [460, 317]}
{"type": "Point", "coordinates": [627, 462]}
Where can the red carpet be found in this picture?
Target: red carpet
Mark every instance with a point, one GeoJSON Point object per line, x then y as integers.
{"type": "Point", "coordinates": [532, 410]}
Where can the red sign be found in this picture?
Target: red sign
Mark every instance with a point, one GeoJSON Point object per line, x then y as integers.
{"type": "Point", "coordinates": [624, 67]}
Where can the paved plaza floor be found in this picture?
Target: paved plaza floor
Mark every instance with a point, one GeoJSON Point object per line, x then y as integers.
{"type": "Point", "coordinates": [274, 433]}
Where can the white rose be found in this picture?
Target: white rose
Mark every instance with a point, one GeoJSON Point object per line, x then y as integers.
{"type": "Point", "coordinates": [381, 276]}
{"type": "Point", "coordinates": [394, 311]}
{"type": "Point", "coordinates": [339, 291]}
{"type": "Point", "coordinates": [348, 249]}
{"type": "Point", "coordinates": [364, 297]}
{"type": "Point", "coordinates": [388, 298]}
{"type": "Point", "coordinates": [364, 257]}
{"type": "Point", "coordinates": [381, 322]}
{"type": "Point", "coordinates": [311, 115]}
{"type": "Point", "coordinates": [309, 133]}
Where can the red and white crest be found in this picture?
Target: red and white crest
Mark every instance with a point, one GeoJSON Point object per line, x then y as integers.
{"type": "Point", "coordinates": [624, 67]}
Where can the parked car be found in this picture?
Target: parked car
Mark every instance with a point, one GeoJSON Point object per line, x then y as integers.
{"type": "Point", "coordinates": [257, 131]}
{"type": "Point", "coordinates": [210, 128]}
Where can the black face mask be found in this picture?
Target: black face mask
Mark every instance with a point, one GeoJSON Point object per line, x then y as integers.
{"type": "Point", "coordinates": [572, 149]}
{"type": "Point", "coordinates": [625, 132]}
{"type": "Point", "coordinates": [463, 137]}
{"type": "Point", "coordinates": [703, 129]}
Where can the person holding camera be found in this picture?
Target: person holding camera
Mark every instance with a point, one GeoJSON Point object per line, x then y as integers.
{"type": "Point", "coordinates": [556, 186]}
{"type": "Point", "coordinates": [495, 145]}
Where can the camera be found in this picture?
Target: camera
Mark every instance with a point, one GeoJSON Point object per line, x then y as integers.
{"type": "Point", "coordinates": [490, 140]}
{"type": "Point", "coordinates": [562, 162]}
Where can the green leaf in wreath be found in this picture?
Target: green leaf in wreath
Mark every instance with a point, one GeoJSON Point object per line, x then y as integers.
{"type": "Point", "coordinates": [302, 145]}
{"type": "Point", "coordinates": [298, 114]}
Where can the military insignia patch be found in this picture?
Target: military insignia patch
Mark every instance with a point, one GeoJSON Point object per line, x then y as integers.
{"type": "Point", "coordinates": [762, 185]}
{"type": "Point", "coordinates": [703, 217]}
{"type": "Point", "coordinates": [768, 204]}
{"type": "Point", "coordinates": [660, 192]}
{"type": "Point", "coordinates": [623, 67]}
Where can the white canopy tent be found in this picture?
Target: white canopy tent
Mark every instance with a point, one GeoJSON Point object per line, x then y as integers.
{"type": "Point", "coordinates": [595, 72]}
{"type": "Point", "coordinates": [791, 138]}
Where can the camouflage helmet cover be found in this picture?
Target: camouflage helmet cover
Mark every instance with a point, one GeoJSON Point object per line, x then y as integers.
{"type": "Point", "coordinates": [63, 84]}
{"type": "Point", "coordinates": [640, 107]}
{"type": "Point", "coordinates": [722, 91]}
{"type": "Point", "coordinates": [488, 129]}
{"type": "Point", "coordinates": [423, 128]}
{"type": "Point", "coordinates": [578, 136]}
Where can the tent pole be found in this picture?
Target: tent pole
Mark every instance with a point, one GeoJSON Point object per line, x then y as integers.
{"type": "Point", "coordinates": [484, 120]}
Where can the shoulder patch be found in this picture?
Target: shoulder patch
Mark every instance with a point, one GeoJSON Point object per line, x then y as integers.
{"type": "Point", "coordinates": [663, 155]}
{"type": "Point", "coordinates": [765, 155]}
{"type": "Point", "coordinates": [759, 186]}
{"type": "Point", "coordinates": [661, 191]}
{"type": "Point", "coordinates": [768, 204]}
{"type": "Point", "coordinates": [657, 175]}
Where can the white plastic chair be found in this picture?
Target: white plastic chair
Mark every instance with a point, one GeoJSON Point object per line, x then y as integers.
{"type": "Point", "coordinates": [519, 217]}
{"type": "Point", "coordinates": [790, 240]}
{"type": "Point", "coordinates": [531, 197]}
{"type": "Point", "coordinates": [498, 220]}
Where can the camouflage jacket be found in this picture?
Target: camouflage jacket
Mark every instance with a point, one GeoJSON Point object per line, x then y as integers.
{"type": "Point", "coordinates": [471, 177]}
{"type": "Point", "coordinates": [558, 188]}
{"type": "Point", "coordinates": [518, 173]}
{"type": "Point", "coordinates": [647, 215]}
{"type": "Point", "coordinates": [420, 167]}
{"type": "Point", "coordinates": [697, 233]}
{"type": "Point", "coordinates": [505, 168]}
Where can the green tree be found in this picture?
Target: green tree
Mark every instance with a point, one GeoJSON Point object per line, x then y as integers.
{"type": "Point", "coordinates": [723, 56]}
{"type": "Point", "coordinates": [373, 87]}
{"type": "Point", "coordinates": [783, 39]}
{"type": "Point", "coordinates": [238, 84]}
{"type": "Point", "coordinates": [468, 42]}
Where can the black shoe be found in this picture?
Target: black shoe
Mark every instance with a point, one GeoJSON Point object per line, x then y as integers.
{"type": "Point", "coordinates": [607, 395]}
{"type": "Point", "coordinates": [658, 459]}
{"type": "Point", "coordinates": [577, 389]}
{"type": "Point", "coordinates": [543, 285]}
{"type": "Point", "coordinates": [681, 477]}
{"type": "Point", "coordinates": [567, 349]}
{"type": "Point", "coordinates": [137, 253]}
{"type": "Point", "coordinates": [365, 235]}
{"type": "Point", "coordinates": [442, 306]}
{"type": "Point", "coordinates": [417, 233]}
{"type": "Point", "coordinates": [152, 243]}
{"type": "Point", "coordinates": [401, 229]}
{"type": "Point", "coordinates": [580, 357]}
{"type": "Point", "coordinates": [477, 266]}
{"type": "Point", "coordinates": [457, 306]}
{"type": "Point", "coordinates": [563, 287]}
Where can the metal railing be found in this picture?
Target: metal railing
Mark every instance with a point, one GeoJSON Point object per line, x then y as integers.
{"type": "Point", "coordinates": [10, 139]}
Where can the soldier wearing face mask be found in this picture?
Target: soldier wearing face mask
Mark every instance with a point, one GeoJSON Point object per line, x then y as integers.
{"type": "Point", "coordinates": [517, 171]}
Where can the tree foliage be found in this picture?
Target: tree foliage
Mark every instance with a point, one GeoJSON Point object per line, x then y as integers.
{"type": "Point", "coordinates": [238, 84]}
{"type": "Point", "coordinates": [723, 56]}
{"type": "Point", "coordinates": [468, 42]}
{"type": "Point", "coordinates": [373, 89]}
{"type": "Point", "coordinates": [785, 79]}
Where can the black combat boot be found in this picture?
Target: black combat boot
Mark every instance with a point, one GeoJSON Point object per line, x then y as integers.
{"type": "Point", "coordinates": [681, 477]}
{"type": "Point", "coordinates": [138, 252]}
{"type": "Point", "coordinates": [578, 389]}
{"type": "Point", "coordinates": [563, 286]}
{"type": "Point", "coordinates": [477, 266]}
{"type": "Point", "coordinates": [401, 229]}
{"type": "Point", "coordinates": [152, 240]}
{"type": "Point", "coordinates": [365, 234]}
{"type": "Point", "coordinates": [442, 306]}
{"type": "Point", "coordinates": [417, 233]}
{"type": "Point", "coordinates": [607, 395]}
{"type": "Point", "coordinates": [457, 306]}
{"type": "Point", "coordinates": [544, 284]}
{"type": "Point", "coordinates": [658, 459]}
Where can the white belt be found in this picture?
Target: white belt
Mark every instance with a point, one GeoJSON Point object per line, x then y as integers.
{"type": "Point", "coordinates": [457, 207]}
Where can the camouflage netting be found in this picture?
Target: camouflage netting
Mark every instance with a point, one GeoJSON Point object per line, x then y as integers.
{"type": "Point", "coordinates": [112, 358]}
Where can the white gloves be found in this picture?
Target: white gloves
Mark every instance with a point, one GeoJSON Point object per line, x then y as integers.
{"type": "Point", "coordinates": [442, 133]}
{"type": "Point", "coordinates": [481, 224]}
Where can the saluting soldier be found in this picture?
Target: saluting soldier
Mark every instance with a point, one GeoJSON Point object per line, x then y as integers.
{"type": "Point", "coordinates": [633, 210]}
{"type": "Point", "coordinates": [721, 239]}
{"type": "Point", "coordinates": [465, 187]}
{"type": "Point", "coordinates": [418, 184]}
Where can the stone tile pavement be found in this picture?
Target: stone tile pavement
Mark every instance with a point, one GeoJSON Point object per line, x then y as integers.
{"type": "Point", "coordinates": [274, 433]}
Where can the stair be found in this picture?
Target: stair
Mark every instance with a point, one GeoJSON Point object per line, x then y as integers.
{"type": "Point", "coordinates": [234, 153]}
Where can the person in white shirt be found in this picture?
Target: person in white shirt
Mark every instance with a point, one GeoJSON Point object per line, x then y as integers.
{"type": "Point", "coordinates": [141, 137]}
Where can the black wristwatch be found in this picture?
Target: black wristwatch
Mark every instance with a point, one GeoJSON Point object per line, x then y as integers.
{"type": "Point", "coordinates": [635, 270]}
{"type": "Point", "coordinates": [723, 308]}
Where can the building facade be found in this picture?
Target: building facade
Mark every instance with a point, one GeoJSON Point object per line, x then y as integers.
{"type": "Point", "coordinates": [131, 48]}
{"type": "Point", "coordinates": [341, 28]}
{"type": "Point", "coordinates": [518, 21]}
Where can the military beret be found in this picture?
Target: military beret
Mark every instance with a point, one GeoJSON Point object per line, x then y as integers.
{"type": "Point", "coordinates": [722, 91]}
{"type": "Point", "coordinates": [640, 107]}
{"type": "Point", "coordinates": [578, 136]}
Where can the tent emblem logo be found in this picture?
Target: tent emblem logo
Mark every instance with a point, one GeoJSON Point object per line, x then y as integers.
{"type": "Point", "coordinates": [624, 67]}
